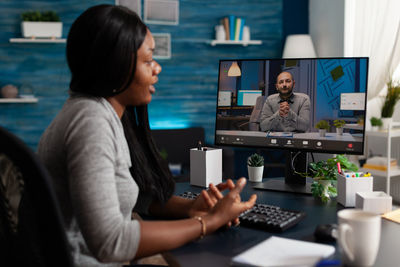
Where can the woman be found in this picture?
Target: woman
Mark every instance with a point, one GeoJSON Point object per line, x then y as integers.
{"type": "Point", "coordinates": [153, 177]}
{"type": "Point", "coordinates": [109, 53]}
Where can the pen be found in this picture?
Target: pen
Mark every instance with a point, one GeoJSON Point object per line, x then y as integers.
{"type": "Point", "coordinates": [349, 174]}
{"type": "Point", "coordinates": [360, 174]}
{"type": "Point", "coordinates": [339, 169]}
{"type": "Point", "coordinates": [327, 262]}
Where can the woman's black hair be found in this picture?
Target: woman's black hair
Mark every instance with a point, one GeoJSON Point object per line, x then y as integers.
{"type": "Point", "coordinates": [101, 53]}
{"type": "Point", "coordinates": [149, 169]}
{"type": "Point", "coordinates": [102, 49]}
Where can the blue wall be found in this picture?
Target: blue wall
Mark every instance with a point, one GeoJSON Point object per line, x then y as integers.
{"type": "Point", "coordinates": [186, 92]}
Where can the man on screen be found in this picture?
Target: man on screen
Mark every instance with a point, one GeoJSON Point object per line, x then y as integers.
{"type": "Point", "coordinates": [286, 111]}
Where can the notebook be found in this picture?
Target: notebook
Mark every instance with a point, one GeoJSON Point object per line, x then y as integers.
{"type": "Point", "coordinates": [278, 251]}
{"type": "Point", "coordinates": [392, 216]}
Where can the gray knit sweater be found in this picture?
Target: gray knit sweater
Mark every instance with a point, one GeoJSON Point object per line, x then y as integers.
{"type": "Point", "coordinates": [87, 155]}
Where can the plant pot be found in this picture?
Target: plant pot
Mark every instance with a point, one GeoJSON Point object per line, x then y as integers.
{"type": "Point", "coordinates": [324, 196]}
{"type": "Point", "coordinates": [38, 29]}
{"type": "Point", "coordinates": [324, 183]}
{"type": "Point", "coordinates": [322, 132]}
{"type": "Point", "coordinates": [255, 173]}
{"type": "Point", "coordinates": [375, 128]}
{"type": "Point", "coordinates": [339, 131]}
{"type": "Point", "coordinates": [386, 123]}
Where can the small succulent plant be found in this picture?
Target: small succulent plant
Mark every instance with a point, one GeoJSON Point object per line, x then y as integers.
{"type": "Point", "coordinates": [322, 124]}
{"type": "Point", "coordinates": [50, 16]}
{"type": "Point", "coordinates": [376, 121]}
{"type": "Point", "coordinates": [255, 160]}
{"type": "Point", "coordinates": [339, 123]}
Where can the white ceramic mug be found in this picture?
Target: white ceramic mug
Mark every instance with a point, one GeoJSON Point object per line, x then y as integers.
{"type": "Point", "coordinates": [359, 236]}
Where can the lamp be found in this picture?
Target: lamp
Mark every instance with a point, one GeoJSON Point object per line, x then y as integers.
{"type": "Point", "coordinates": [298, 45]}
{"type": "Point", "coordinates": [234, 70]}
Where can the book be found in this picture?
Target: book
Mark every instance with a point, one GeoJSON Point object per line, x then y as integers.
{"type": "Point", "coordinates": [232, 27]}
{"type": "Point", "coordinates": [241, 29]}
{"type": "Point", "coordinates": [278, 251]}
{"type": "Point", "coordinates": [225, 22]}
{"type": "Point", "coordinates": [381, 161]}
{"type": "Point", "coordinates": [376, 167]}
{"type": "Point", "coordinates": [238, 22]}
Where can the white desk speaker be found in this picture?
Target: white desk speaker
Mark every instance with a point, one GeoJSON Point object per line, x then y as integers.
{"type": "Point", "coordinates": [205, 166]}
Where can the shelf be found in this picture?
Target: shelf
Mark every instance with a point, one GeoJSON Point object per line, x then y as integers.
{"type": "Point", "coordinates": [19, 100]}
{"type": "Point", "coordinates": [230, 42]}
{"type": "Point", "coordinates": [353, 126]}
{"type": "Point", "coordinates": [384, 133]}
{"type": "Point", "coordinates": [38, 40]}
{"type": "Point", "coordinates": [388, 134]}
{"type": "Point", "coordinates": [394, 171]}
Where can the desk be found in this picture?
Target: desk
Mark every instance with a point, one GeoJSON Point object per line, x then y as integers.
{"type": "Point", "coordinates": [218, 249]}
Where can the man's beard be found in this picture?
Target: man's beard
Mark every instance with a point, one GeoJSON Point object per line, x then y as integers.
{"type": "Point", "coordinates": [286, 95]}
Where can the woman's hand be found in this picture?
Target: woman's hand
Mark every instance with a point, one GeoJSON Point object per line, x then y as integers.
{"type": "Point", "coordinates": [208, 199]}
{"type": "Point", "coordinates": [229, 207]}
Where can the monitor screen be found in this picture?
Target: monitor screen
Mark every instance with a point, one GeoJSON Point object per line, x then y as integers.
{"type": "Point", "coordinates": [282, 103]}
{"type": "Point", "coordinates": [248, 97]}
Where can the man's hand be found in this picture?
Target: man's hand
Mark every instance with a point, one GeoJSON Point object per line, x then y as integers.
{"type": "Point", "coordinates": [284, 109]}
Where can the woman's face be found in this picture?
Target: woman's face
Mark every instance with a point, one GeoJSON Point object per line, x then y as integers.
{"type": "Point", "coordinates": [147, 69]}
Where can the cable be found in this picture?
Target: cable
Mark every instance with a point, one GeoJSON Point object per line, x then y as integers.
{"type": "Point", "coordinates": [293, 160]}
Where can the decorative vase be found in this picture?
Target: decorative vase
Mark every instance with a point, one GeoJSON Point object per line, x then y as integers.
{"type": "Point", "coordinates": [220, 33]}
{"type": "Point", "coordinates": [255, 173]}
{"type": "Point", "coordinates": [324, 197]}
{"type": "Point", "coordinates": [322, 132]}
{"type": "Point", "coordinates": [246, 33]}
{"type": "Point", "coordinates": [339, 131]}
{"type": "Point", "coordinates": [324, 183]}
{"type": "Point", "coordinates": [9, 91]}
{"type": "Point", "coordinates": [386, 122]}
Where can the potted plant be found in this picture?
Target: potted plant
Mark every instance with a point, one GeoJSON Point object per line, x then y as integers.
{"type": "Point", "coordinates": [322, 126]}
{"type": "Point", "coordinates": [391, 98]}
{"type": "Point", "coordinates": [255, 167]}
{"type": "Point", "coordinates": [37, 24]}
{"type": "Point", "coordinates": [324, 176]}
{"type": "Point", "coordinates": [339, 126]}
{"type": "Point", "coordinates": [375, 123]}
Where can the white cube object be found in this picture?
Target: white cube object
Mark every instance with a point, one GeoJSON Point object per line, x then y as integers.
{"type": "Point", "coordinates": [37, 29]}
{"type": "Point", "coordinates": [205, 166]}
{"type": "Point", "coordinates": [348, 187]}
{"type": "Point", "coordinates": [377, 202]}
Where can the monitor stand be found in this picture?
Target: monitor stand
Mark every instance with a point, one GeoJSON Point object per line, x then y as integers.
{"type": "Point", "coordinates": [292, 182]}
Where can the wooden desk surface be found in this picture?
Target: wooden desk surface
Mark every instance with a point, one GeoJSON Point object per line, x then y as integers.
{"type": "Point", "coordinates": [218, 249]}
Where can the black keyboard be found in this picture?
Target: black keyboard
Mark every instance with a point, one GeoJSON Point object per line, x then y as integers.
{"type": "Point", "coordinates": [265, 217]}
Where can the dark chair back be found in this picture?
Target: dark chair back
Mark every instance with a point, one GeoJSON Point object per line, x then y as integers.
{"type": "Point", "coordinates": [176, 143]}
{"type": "Point", "coordinates": [31, 226]}
{"type": "Point", "coordinates": [254, 123]}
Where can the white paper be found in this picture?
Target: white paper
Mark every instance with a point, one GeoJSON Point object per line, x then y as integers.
{"type": "Point", "coordinates": [278, 251]}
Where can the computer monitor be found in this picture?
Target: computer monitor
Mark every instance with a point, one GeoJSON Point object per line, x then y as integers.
{"type": "Point", "coordinates": [267, 112]}
{"type": "Point", "coordinates": [248, 97]}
